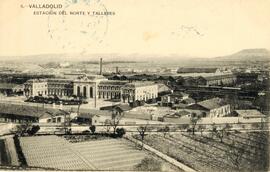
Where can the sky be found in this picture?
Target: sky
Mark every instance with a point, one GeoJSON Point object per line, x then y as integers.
{"type": "Point", "coordinates": [192, 28]}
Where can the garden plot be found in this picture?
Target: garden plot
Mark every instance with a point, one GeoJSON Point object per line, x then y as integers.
{"type": "Point", "coordinates": [56, 152]}
{"type": "Point", "coordinates": [51, 152]}
{"type": "Point", "coordinates": [238, 151]}
{"type": "Point", "coordinates": [116, 154]}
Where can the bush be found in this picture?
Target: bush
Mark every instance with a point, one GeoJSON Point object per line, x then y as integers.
{"type": "Point", "coordinates": [33, 130]}
{"type": "Point", "coordinates": [120, 132]}
{"type": "Point", "coordinates": [92, 129]}
{"type": "Point", "coordinates": [149, 164]}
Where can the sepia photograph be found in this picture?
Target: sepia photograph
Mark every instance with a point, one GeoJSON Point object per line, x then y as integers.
{"type": "Point", "coordinates": [135, 85]}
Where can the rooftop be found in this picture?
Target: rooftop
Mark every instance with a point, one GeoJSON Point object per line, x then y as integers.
{"type": "Point", "coordinates": [177, 94]}
{"type": "Point", "coordinates": [178, 114]}
{"type": "Point", "coordinates": [8, 85]}
{"type": "Point", "coordinates": [139, 84]}
{"type": "Point", "coordinates": [123, 107]}
{"type": "Point", "coordinates": [188, 101]}
{"type": "Point", "coordinates": [212, 103]}
{"type": "Point", "coordinates": [91, 77]}
{"type": "Point", "coordinates": [196, 70]}
{"type": "Point", "coordinates": [113, 82]}
{"type": "Point", "coordinates": [249, 113]}
{"type": "Point", "coordinates": [218, 76]}
{"type": "Point", "coordinates": [21, 110]}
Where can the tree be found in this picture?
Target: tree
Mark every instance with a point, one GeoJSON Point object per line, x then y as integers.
{"type": "Point", "coordinates": [165, 130]}
{"type": "Point", "coordinates": [183, 126]}
{"type": "Point", "coordinates": [107, 125]}
{"type": "Point", "coordinates": [79, 104]}
{"type": "Point", "coordinates": [120, 132]}
{"type": "Point", "coordinates": [194, 120]}
{"type": "Point", "coordinates": [232, 100]}
{"type": "Point", "coordinates": [236, 154]}
{"type": "Point", "coordinates": [22, 129]}
{"type": "Point", "coordinates": [92, 129]}
{"type": "Point", "coordinates": [201, 128]}
{"type": "Point", "coordinates": [33, 130]}
{"type": "Point", "coordinates": [142, 132]}
{"type": "Point", "coordinates": [213, 129]}
{"type": "Point", "coordinates": [222, 132]}
{"type": "Point", "coordinates": [116, 117]}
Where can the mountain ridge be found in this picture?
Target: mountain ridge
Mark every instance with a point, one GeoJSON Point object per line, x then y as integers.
{"type": "Point", "coordinates": [255, 54]}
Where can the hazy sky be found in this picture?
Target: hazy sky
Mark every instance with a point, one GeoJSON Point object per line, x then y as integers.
{"type": "Point", "coordinates": [203, 28]}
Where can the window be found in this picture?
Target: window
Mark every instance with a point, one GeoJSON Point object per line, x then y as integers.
{"type": "Point", "coordinates": [59, 119]}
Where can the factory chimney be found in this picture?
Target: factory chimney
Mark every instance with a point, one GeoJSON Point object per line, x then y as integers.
{"type": "Point", "coordinates": [100, 66]}
{"type": "Point", "coordinates": [116, 69]}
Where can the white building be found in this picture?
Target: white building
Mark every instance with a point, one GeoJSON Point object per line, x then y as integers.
{"type": "Point", "coordinates": [87, 87]}
{"type": "Point", "coordinates": [139, 91]}
{"type": "Point", "coordinates": [36, 87]}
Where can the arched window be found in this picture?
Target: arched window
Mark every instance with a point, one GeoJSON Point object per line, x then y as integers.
{"type": "Point", "coordinates": [84, 91]}
{"type": "Point", "coordinates": [91, 92]}
{"type": "Point", "coordinates": [78, 91]}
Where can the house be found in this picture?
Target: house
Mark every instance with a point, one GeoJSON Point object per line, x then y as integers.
{"type": "Point", "coordinates": [196, 70]}
{"type": "Point", "coordinates": [21, 113]}
{"type": "Point", "coordinates": [252, 113]}
{"type": "Point", "coordinates": [54, 116]}
{"type": "Point", "coordinates": [85, 118]}
{"type": "Point", "coordinates": [173, 98]}
{"type": "Point", "coordinates": [178, 117]}
{"type": "Point", "coordinates": [61, 117]}
{"type": "Point", "coordinates": [214, 107]}
{"type": "Point", "coordinates": [163, 88]}
{"type": "Point", "coordinates": [188, 101]}
{"type": "Point", "coordinates": [218, 80]}
{"type": "Point", "coordinates": [10, 88]}
{"type": "Point", "coordinates": [141, 91]}
{"type": "Point", "coordinates": [179, 106]}
{"type": "Point", "coordinates": [121, 108]}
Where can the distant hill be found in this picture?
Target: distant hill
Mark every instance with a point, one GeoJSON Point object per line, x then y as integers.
{"type": "Point", "coordinates": [260, 54]}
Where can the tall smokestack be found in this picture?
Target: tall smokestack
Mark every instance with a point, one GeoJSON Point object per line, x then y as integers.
{"type": "Point", "coordinates": [116, 69]}
{"type": "Point", "coordinates": [100, 66]}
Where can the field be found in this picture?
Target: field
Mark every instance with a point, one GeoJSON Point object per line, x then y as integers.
{"type": "Point", "coordinates": [236, 152]}
{"type": "Point", "coordinates": [57, 153]}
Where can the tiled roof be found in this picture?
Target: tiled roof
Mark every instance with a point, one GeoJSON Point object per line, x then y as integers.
{"type": "Point", "coordinates": [123, 107]}
{"type": "Point", "coordinates": [177, 114]}
{"type": "Point", "coordinates": [212, 103]}
{"type": "Point", "coordinates": [214, 77]}
{"type": "Point", "coordinates": [112, 82]}
{"type": "Point", "coordinates": [188, 101]}
{"type": "Point", "coordinates": [139, 84]}
{"type": "Point", "coordinates": [86, 115]}
{"type": "Point", "coordinates": [7, 85]}
{"type": "Point", "coordinates": [196, 70]}
{"type": "Point", "coordinates": [249, 113]}
{"type": "Point", "coordinates": [24, 110]}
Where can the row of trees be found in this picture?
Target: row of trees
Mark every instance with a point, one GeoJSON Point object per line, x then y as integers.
{"type": "Point", "coordinates": [25, 128]}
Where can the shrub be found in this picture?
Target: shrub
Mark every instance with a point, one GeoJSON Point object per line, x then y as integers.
{"type": "Point", "coordinates": [149, 164]}
{"type": "Point", "coordinates": [92, 129]}
{"type": "Point", "coordinates": [120, 132]}
{"type": "Point", "coordinates": [33, 130]}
